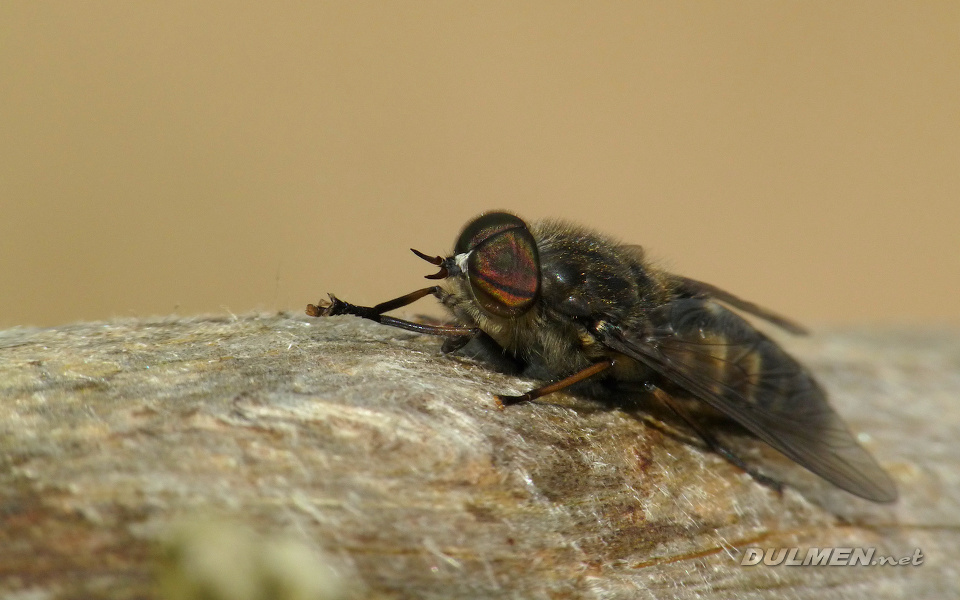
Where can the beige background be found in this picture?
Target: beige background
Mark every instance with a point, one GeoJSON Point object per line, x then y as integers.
{"type": "Point", "coordinates": [169, 157]}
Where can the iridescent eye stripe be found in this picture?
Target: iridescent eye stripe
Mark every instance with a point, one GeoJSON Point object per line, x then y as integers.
{"type": "Point", "coordinates": [489, 232]}
{"type": "Point", "coordinates": [505, 268]}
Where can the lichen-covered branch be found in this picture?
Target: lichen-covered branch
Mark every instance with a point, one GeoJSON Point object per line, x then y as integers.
{"type": "Point", "coordinates": [394, 467]}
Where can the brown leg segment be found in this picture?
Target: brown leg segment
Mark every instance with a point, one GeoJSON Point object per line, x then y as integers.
{"type": "Point", "coordinates": [597, 367]}
{"type": "Point", "coordinates": [337, 306]}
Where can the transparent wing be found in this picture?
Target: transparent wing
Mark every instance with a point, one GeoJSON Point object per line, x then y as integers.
{"type": "Point", "coordinates": [693, 288]}
{"type": "Point", "coordinates": [703, 290]}
{"type": "Point", "coordinates": [719, 358]}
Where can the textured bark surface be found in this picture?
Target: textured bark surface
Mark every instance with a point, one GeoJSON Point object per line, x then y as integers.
{"type": "Point", "coordinates": [393, 463]}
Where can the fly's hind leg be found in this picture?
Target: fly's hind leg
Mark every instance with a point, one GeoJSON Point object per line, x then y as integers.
{"type": "Point", "coordinates": [713, 443]}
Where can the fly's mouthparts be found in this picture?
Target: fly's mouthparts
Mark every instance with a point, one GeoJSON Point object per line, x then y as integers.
{"type": "Point", "coordinates": [443, 273]}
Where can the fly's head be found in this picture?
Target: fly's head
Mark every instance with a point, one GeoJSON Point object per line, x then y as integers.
{"type": "Point", "coordinates": [493, 276]}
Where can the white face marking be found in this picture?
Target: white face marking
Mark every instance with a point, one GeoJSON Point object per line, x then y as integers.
{"type": "Point", "coordinates": [461, 260]}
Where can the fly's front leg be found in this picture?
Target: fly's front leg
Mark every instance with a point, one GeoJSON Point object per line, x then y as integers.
{"type": "Point", "coordinates": [597, 367]}
{"type": "Point", "coordinates": [336, 306]}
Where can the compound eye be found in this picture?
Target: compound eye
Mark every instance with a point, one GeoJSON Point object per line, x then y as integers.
{"type": "Point", "coordinates": [502, 265]}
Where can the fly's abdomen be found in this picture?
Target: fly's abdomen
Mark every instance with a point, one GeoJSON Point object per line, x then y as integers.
{"type": "Point", "coordinates": [721, 359]}
{"type": "Point", "coordinates": [731, 358]}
